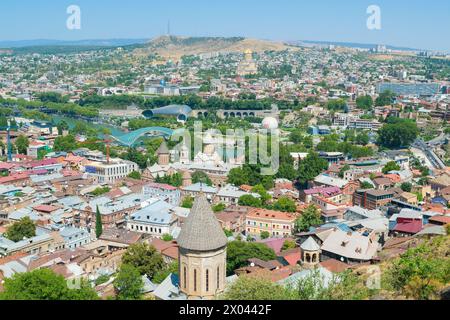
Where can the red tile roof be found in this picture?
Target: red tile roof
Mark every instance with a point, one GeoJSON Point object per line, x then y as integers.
{"type": "Point", "coordinates": [45, 208]}
{"type": "Point", "coordinates": [440, 220]}
{"type": "Point", "coordinates": [292, 256]}
{"type": "Point", "coordinates": [161, 186]}
{"type": "Point", "coordinates": [411, 227]}
{"type": "Point", "coordinates": [14, 177]}
{"type": "Point", "coordinates": [334, 265]}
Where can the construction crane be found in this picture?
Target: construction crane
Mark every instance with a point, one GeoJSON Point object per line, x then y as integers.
{"type": "Point", "coordinates": [8, 129]}
{"type": "Point", "coordinates": [107, 142]}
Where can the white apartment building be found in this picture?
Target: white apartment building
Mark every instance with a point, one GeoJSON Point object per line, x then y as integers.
{"type": "Point", "coordinates": [111, 172]}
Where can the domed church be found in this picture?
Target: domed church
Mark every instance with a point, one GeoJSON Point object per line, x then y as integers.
{"type": "Point", "coordinates": [202, 253]}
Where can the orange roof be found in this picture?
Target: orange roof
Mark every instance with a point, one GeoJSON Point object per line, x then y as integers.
{"type": "Point", "coordinates": [45, 208]}
{"type": "Point", "coordinates": [14, 177]}
{"type": "Point", "coordinates": [270, 214]}
{"type": "Point", "coordinates": [246, 188]}
{"type": "Point", "coordinates": [334, 266]}
{"type": "Point", "coordinates": [274, 275]}
{"type": "Point", "coordinates": [440, 219]}
{"type": "Point", "coordinates": [395, 178]}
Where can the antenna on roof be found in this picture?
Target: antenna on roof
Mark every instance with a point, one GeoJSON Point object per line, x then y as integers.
{"type": "Point", "coordinates": [168, 28]}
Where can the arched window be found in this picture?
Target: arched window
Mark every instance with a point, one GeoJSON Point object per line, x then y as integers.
{"type": "Point", "coordinates": [184, 277]}
{"type": "Point", "coordinates": [195, 280]}
{"type": "Point", "coordinates": [218, 278]}
{"type": "Point", "coordinates": [207, 280]}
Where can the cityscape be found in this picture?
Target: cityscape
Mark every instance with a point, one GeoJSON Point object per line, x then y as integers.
{"type": "Point", "coordinates": [184, 167]}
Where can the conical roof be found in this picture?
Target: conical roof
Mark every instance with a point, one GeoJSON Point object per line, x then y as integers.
{"type": "Point", "coordinates": [163, 149]}
{"type": "Point", "coordinates": [310, 245]}
{"type": "Point", "coordinates": [202, 230]}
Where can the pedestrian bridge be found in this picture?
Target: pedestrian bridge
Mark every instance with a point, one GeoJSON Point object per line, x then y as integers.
{"type": "Point", "coordinates": [129, 139]}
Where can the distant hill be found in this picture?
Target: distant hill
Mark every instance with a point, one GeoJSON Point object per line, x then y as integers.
{"type": "Point", "coordinates": [173, 48]}
{"type": "Point", "coordinates": [90, 42]}
{"type": "Point", "coordinates": [309, 43]}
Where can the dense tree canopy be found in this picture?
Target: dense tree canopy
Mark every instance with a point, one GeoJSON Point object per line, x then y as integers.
{"type": "Point", "coordinates": [310, 168]}
{"type": "Point", "coordinates": [285, 204]}
{"type": "Point", "coordinates": [398, 133]}
{"type": "Point", "coordinates": [309, 218]}
{"type": "Point", "coordinates": [364, 102]}
{"type": "Point", "coordinates": [385, 98]}
{"type": "Point", "coordinates": [238, 252]}
{"type": "Point", "coordinates": [25, 228]}
{"type": "Point", "coordinates": [145, 258]}
{"type": "Point", "coordinates": [22, 144]}
{"type": "Point", "coordinates": [44, 284]}
{"type": "Point", "coordinates": [128, 283]}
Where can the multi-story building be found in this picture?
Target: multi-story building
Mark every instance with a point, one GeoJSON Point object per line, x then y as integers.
{"type": "Point", "coordinates": [277, 223]}
{"type": "Point", "coordinates": [111, 172]}
{"type": "Point", "coordinates": [75, 237]}
{"type": "Point", "coordinates": [163, 191]}
{"type": "Point", "coordinates": [155, 220]}
{"type": "Point", "coordinates": [372, 199]}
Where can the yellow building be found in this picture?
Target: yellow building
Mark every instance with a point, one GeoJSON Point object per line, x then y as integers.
{"type": "Point", "coordinates": [277, 223]}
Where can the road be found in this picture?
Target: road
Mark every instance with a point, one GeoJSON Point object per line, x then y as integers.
{"type": "Point", "coordinates": [427, 149]}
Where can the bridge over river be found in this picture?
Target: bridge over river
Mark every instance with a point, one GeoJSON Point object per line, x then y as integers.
{"type": "Point", "coordinates": [130, 138]}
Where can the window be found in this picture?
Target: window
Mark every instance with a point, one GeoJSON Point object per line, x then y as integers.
{"type": "Point", "coordinates": [184, 277]}
{"type": "Point", "coordinates": [195, 280]}
{"type": "Point", "coordinates": [218, 278]}
{"type": "Point", "coordinates": [207, 280]}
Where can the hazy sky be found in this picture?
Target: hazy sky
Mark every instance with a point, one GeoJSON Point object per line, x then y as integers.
{"type": "Point", "coordinates": [411, 23]}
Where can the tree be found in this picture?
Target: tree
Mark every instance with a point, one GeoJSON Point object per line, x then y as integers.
{"type": "Point", "coordinates": [66, 144]}
{"type": "Point", "coordinates": [296, 136]}
{"type": "Point", "coordinates": [420, 273]}
{"type": "Point", "coordinates": [398, 133]}
{"type": "Point", "coordinates": [310, 168]}
{"type": "Point", "coordinates": [128, 283]}
{"type": "Point", "coordinates": [62, 126]}
{"type": "Point", "coordinates": [337, 105]}
{"type": "Point", "coordinates": [135, 175]}
{"type": "Point", "coordinates": [385, 98]}
{"type": "Point", "coordinates": [285, 204]}
{"type": "Point", "coordinates": [364, 102]}
{"type": "Point", "coordinates": [169, 269]}
{"type": "Point", "coordinates": [250, 201]}
{"type": "Point", "coordinates": [264, 196]}
{"type": "Point", "coordinates": [200, 176]}
{"type": "Point", "coordinates": [342, 286]}
{"type": "Point", "coordinates": [137, 157]}
{"type": "Point", "coordinates": [265, 235]}
{"type": "Point", "coordinates": [391, 166]}
{"type": "Point", "coordinates": [187, 203]}
{"type": "Point", "coordinates": [362, 139]}
{"type": "Point", "coordinates": [98, 223]}
{"type": "Point", "coordinates": [238, 253]}
{"type": "Point", "coordinates": [22, 144]}
{"type": "Point", "coordinates": [44, 284]}
{"type": "Point", "coordinates": [406, 186]}
{"type": "Point", "coordinates": [343, 170]}
{"type": "Point", "coordinates": [310, 218]}
{"type": "Point", "coordinates": [219, 207]}
{"type": "Point", "coordinates": [25, 228]}
{"type": "Point", "coordinates": [255, 289]}
{"type": "Point", "coordinates": [366, 185]}
{"type": "Point", "coordinates": [289, 244]}
{"type": "Point", "coordinates": [145, 258]}
{"type": "Point", "coordinates": [166, 237]}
